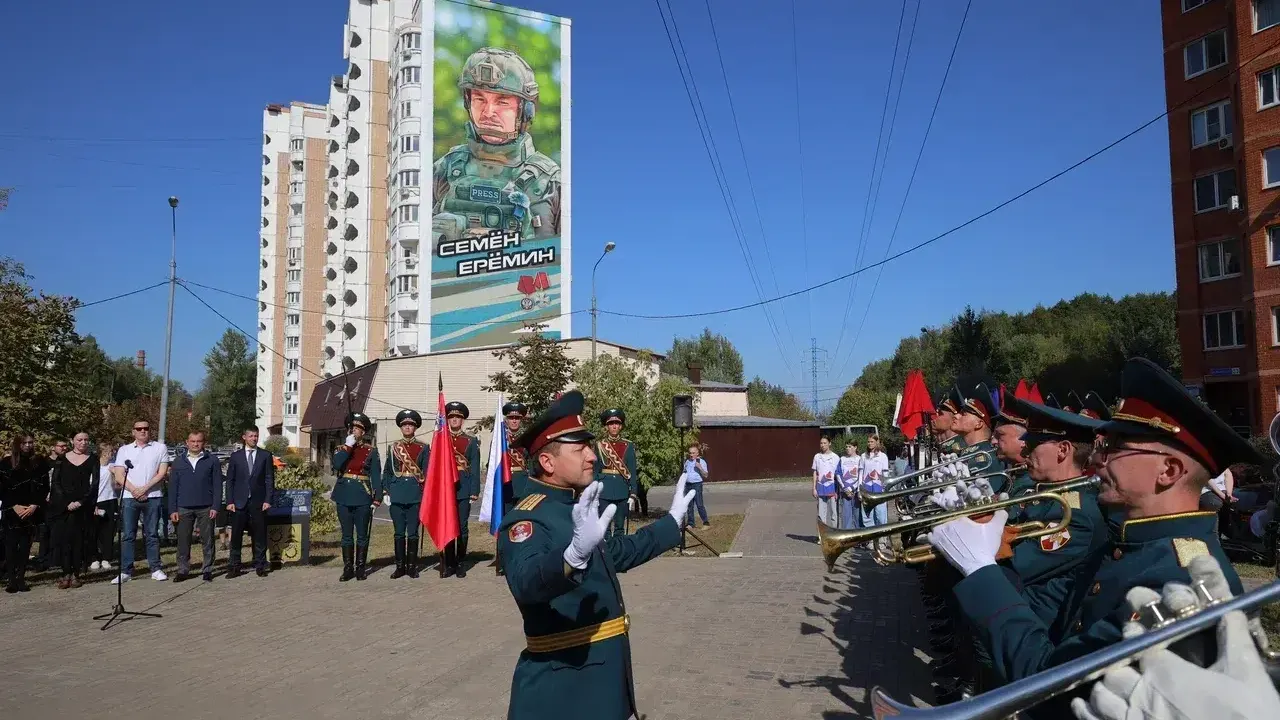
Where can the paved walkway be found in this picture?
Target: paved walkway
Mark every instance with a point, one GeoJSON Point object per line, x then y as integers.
{"type": "Point", "coordinates": [765, 636]}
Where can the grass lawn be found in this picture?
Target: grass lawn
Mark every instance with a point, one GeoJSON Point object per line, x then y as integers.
{"type": "Point", "coordinates": [326, 549]}
{"type": "Point", "coordinates": [1270, 614]}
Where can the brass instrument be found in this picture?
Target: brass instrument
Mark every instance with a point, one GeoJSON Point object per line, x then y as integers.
{"type": "Point", "coordinates": [1035, 689]}
{"type": "Point", "coordinates": [872, 499]}
{"type": "Point", "coordinates": [833, 542]}
{"type": "Point", "coordinates": [981, 457]}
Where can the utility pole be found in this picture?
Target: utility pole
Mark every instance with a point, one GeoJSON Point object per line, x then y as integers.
{"type": "Point", "coordinates": [168, 332]}
{"type": "Point", "coordinates": [816, 361]}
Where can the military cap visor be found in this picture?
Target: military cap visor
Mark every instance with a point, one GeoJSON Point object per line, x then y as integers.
{"type": "Point", "coordinates": [1155, 406]}
{"type": "Point", "coordinates": [1046, 424]}
{"type": "Point", "coordinates": [613, 415]}
{"type": "Point", "coordinates": [1095, 407]}
{"type": "Point", "coordinates": [562, 422]}
{"type": "Point", "coordinates": [456, 409]}
{"type": "Point", "coordinates": [978, 402]}
{"type": "Point", "coordinates": [409, 416]}
{"type": "Point", "coordinates": [514, 409]}
{"type": "Point", "coordinates": [358, 419]}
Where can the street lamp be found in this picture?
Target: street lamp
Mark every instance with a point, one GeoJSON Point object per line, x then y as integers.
{"type": "Point", "coordinates": [168, 333]}
{"type": "Point", "coordinates": [608, 248]}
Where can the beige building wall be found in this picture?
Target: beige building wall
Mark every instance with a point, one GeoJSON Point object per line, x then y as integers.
{"type": "Point", "coordinates": [717, 403]}
{"type": "Point", "coordinates": [377, 258]}
{"type": "Point", "coordinates": [313, 269]}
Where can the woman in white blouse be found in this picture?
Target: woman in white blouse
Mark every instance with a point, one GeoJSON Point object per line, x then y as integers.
{"type": "Point", "coordinates": [100, 538]}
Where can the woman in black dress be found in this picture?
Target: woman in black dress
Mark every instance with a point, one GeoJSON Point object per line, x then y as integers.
{"type": "Point", "coordinates": [72, 495]}
{"type": "Point", "coordinates": [24, 485]}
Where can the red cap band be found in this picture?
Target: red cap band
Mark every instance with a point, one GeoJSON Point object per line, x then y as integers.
{"type": "Point", "coordinates": [1136, 410]}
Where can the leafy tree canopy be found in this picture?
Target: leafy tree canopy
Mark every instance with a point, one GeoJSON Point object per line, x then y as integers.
{"type": "Point", "coordinates": [720, 360]}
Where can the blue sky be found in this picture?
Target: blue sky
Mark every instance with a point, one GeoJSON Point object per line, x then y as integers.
{"type": "Point", "coordinates": [1034, 87]}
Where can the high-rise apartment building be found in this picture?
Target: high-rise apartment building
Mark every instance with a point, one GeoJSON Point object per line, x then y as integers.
{"type": "Point", "coordinates": [1222, 86]}
{"type": "Point", "coordinates": [349, 192]}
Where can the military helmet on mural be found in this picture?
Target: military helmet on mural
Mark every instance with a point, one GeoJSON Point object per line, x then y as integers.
{"type": "Point", "coordinates": [498, 70]}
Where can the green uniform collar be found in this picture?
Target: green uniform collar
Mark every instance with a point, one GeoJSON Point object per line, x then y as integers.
{"type": "Point", "coordinates": [513, 153]}
{"type": "Point", "coordinates": [564, 495]}
{"type": "Point", "coordinates": [954, 444]}
{"type": "Point", "coordinates": [1188, 524]}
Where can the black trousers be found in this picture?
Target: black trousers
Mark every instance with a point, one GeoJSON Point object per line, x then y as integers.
{"type": "Point", "coordinates": [255, 519]}
{"type": "Point", "coordinates": [67, 531]}
{"type": "Point", "coordinates": [188, 519]}
{"type": "Point", "coordinates": [17, 546]}
{"type": "Point", "coordinates": [104, 531]}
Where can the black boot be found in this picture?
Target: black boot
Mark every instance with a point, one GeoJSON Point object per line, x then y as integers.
{"type": "Point", "coordinates": [399, 571]}
{"type": "Point", "coordinates": [347, 573]}
{"type": "Point", "coordinates": [497, 564]}
{"type": "Point", "coordinates": [411, 558]}
{"type": "Point", "coordinates": [459, 559]}
{"type": "Point", "coordinates": [446, 561]}
{"type": "Point", "coordinates": [362, 554]}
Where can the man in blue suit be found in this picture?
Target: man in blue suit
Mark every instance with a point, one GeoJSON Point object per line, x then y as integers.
{"type": "Point", "coordinates": [251, 480]}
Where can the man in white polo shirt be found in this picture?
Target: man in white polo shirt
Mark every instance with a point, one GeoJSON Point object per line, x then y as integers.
{"type": "Point", "coordinates": [142, 496]}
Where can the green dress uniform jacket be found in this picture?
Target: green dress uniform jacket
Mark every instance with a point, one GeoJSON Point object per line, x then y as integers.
{"type": "Point", "coordinates": [466, 451]}
{"type": "Point", "coordinates": [359, 474]}
{"type": "Point", "coordinates": [575, 620]}
{"type": "Point", "coordinates": [953, 444]}
{"type": "Point", "coordinates": [616, 469]}
{"type": "Point", "coordinates": [1146, 552]}
{"type": "Point", "coordinates": [403, 474]}
{"type": "Point", "coordinates": [517, 462]}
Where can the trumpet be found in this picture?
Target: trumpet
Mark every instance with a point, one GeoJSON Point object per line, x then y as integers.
{"type": "Point", "coordinates": [981, 457]}
{"type": "Point", "coordinates": [1035, 689]}
{"type": "Point", "coordinates": [872, 499]}
{"type": "Point", "coordinates": [833, 542]}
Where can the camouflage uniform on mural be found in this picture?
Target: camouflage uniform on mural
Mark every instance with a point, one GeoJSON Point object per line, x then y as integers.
{"type": "Point", "coordinates": [497, 180]}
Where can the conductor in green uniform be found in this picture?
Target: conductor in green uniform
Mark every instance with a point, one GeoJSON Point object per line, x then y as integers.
{"type": "Point", "coordinates": [466, 453]}
{"type": "Point", "coordinates": [562, 573]}
{"type": "Point", "coordinates": [616, 468]}
{"type": "Point", "coordinates": [402, 480]}
{"type": "Point", "coordinates": [355, 463]}
{"type": "Point", "coordinates": [1159, 451]}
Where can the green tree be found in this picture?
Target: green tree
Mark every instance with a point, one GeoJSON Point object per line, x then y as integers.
{"type": "Point", "coordinates": [969, 348]}
{"type": "Point", "coordinates": [229, 390]}
{"type": "Point", "coordinates": [766, 400]}
{"type": "Point", "coordinates": [863, 406]}
{"type": "Point", "coordinates": [540, 370]}
{"type": "Point", "coordinates": [610, 381]}
{"type": "Point", "coordinates": [720, 360]}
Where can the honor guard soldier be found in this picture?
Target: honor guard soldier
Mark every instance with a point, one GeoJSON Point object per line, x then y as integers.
{"type": "Point", "coordinates": [562, 573]}
{"type": "Point", "coordinates": [616, 468]}
{"type": "Point", "coordinates": [1010, 426]}
{"type": "Point", "coordinates": [466, 452]}
{"type": "Point", "coordinates": [1160, 448]}
{"type": "Point", "coordinates": [402, 480]}
{"type": "Point", "coordinates": [513, 413]}
{"type": "Point", "coordinates": [355, 462]}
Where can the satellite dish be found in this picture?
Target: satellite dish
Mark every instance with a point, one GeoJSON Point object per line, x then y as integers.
{"type": "Point", "coordinates": [1273, 433]}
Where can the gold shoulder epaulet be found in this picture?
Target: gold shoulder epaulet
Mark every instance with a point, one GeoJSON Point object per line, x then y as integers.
{"type": "Point", "coordinates": [530, 502]}
{"type": "Point", "coordinates": [1188, 549]}
{"type": "Point", "coordinates": [1072, 499]}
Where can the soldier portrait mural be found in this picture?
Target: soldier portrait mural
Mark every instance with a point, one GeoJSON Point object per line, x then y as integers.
{"type": "Point", "coordinates": [499, 226]}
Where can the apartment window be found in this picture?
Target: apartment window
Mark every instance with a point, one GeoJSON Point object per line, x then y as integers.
{"type": "Point", "coordinates": [292, 298]}
{"type": "Point", "coordinates": [1269, 88]}
{"type": "Point", "coordinates": [409, 178]}
{"type": "Point", "coordinates": [407, 213]}
{"type": "Point", "coordinates": [406, 109]}
{"type": "Point", "coordinates": [408, 253]}
{"type": "Point", "coordinates": [1189, 5]}
{"type": "Point", "coordinates": [1271, 167]}
{"type": "Point", "coordinates": [1266, 14]}
{"type": "Point", "coordinates": [291, 408]}
{"type": "Point", "coordinates": [291, 364]}
{"type": "Point", "coordinates": [410, 75]}
{"type": "Point", "coordinates": [291, 386]}
{"type": "Point", "coordinates": [1211, 124]}
{"type": "Point", "coordinates": [1275, 326]}
{"type": "Point", "coordinates": [1215, 190]}
{"type": "Point", "coordinates": [1219, 260]}
{"type": "Point", "coordinates": [294, 276]}
{"type": "Point", "coordinates": [295, 187]}
{"type": "Point", "coordinates": [294, 253]}
{"type": "Point", "coordinates": [1224, 330]}
{"type": "Point", "coordinates": [1273, 245]}
{"type": "Point", "coordinates": [292, 319]}
{"type": "Point", "coordinates": [295, 209]}
{"type": "Point", "coordinates": [405, 322]}
{"type": "Point", "coordinates": [296, 144]}
{"type": "Point", "coordinates": [413, 41]}
{"type": "Point", "coordinates": [409, 143]}
{"type": "Point", "coordinates": [1205, 54]}
{"type": "Point", "coordinates": [406, 283]}
{"type": "Point", "coordinates": [291, 342]}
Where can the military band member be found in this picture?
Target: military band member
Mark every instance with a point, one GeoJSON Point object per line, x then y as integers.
{"type": "Point", "coordinates": [513, 414]}
{"type": "Point", "coordinates": [976, 413]}
{"type": "Point", "coordinates": [402, 480]}
{"type": "Point", "coordinates": [616, 467]}
{"type": "Point", "coordinates": [355, 463]}
{"type": "Point", "coordinates": [1006, 437]}
{"type": "Point", "coordinates": [466, 452]}
{"type": "Point", "coordinates": [562, 573]}
{"type": "Point", "coordinates": [943, 424]}
{"type": "Point", "coordinates": [1161, 447]}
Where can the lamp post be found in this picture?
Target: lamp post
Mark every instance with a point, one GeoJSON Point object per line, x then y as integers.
{"type": "Point", "coordinates": [608, 248]}
{"type": "Point", "coordinates": [168, 332]}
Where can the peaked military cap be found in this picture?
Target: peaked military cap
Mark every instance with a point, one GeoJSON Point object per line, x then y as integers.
{"type": "Point", "coordinates": [945, 403]}
{"type": "Point", "coordinates": [457, 409]}
{"type": "Point", "coordinates": [1155, 406]}
{"type": "Point", "coordinates": [1052, 402]}
{"type": "Point", "coordinates": [1046, 424]}
{"type": "Point", "coordinates": [562, 422]}
{"type": "Point", "coordinates": [613, 414]}
{"type": "Point", "coordinates": [1074, 403]}
{"type": "Point", "coordinates": [1012, 410]}
{"type": "Point", "coordinates": [955, 399]}
{"type": "Point", "coordinates": [1093, 406]}
{"type": "Point", "coordinates": [358, 418]}
{"type": "Point", "coordinates": [405, 416]}
{"type": "Point", "coordinates": [978, 401]}
{"type": "Point", "coordinates": [514, 409]}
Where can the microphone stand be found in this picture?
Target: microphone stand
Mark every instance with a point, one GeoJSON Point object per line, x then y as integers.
{"type": "Point", "coordinates": [118, 611]}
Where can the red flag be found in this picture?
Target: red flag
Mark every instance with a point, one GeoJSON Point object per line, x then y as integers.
{"type": "Point", "coordinates": [915, 403]}
{"type": "Point", "coordinates": [1033, 394]}
{"type": "Point", "coordinates": [1022, 392]}
{"type": "Point", "coordinates": [439, 514]}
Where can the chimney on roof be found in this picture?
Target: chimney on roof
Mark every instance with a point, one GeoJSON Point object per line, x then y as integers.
{"type": "Point", "coordinates": [695, 373]}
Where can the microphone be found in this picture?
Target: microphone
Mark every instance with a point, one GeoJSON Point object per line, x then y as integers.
{"type": "Point", "coordinates": [128, 464]}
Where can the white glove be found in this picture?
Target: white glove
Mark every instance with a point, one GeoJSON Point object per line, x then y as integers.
{"type": "Point", "coordinates": [1235, 687]}
{"type": "Point", "coordinates": [589, 525]}
{"type": "Point", "coordinates": [99, 512]}
{"type": "Point", "coordinates": [962, 470]}
{"type": "Point", "coordinates": [968, 545]}
{"type": "Point", "coordinates": [631, 504]}
{"type": "Point", "coordinates": [947, 498]}
{"type": "Point", "coordinates": [350, 441]}
{"type": "Point", "coordinates": [680, 501]}
{"type": "Point", "coordinates": [386, 499]}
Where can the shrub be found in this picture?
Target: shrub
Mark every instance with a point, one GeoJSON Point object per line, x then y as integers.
{"type": "Point", "coordinates": [305, 475]}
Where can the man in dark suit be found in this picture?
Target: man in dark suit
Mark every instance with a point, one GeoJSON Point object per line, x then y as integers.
{"type": "Point", "coordinates": [251, 480]}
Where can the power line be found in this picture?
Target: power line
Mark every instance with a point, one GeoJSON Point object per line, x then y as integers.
{"type": "Point", "coordinates": [81, 306]}
{"type": "Point", "coordinates": [956, 228]}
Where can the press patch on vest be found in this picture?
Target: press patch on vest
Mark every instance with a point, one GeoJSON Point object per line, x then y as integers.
{"type": "Point", "coordinates": [520, 531]}
{"type": "Point", "coordinates": [1056, 541]}
{"type": "Point", "coordinates": [1188, 549]}
{"type": "Point", "coordinates": [1072, 499]}
{"type": "Point", "coordinates": [531, 502]}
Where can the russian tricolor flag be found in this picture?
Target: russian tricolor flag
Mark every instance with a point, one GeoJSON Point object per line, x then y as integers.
{"type": "Point", "coordinates": [498, 475]}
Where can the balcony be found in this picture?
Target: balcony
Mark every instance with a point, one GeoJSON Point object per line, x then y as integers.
{"type": "Point", "coordinates": [406, 341]}
{"type": "Point", "coordinates": [405, 304]}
